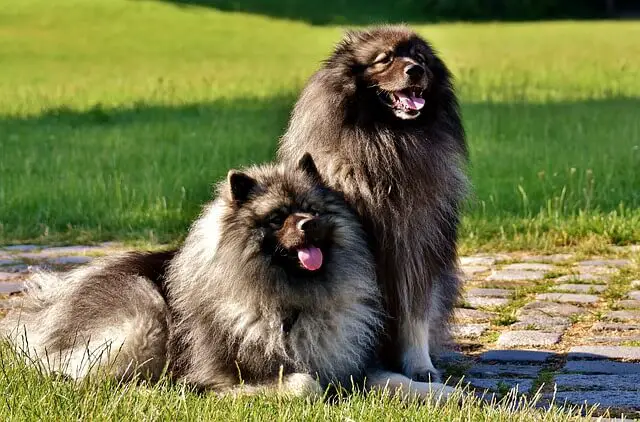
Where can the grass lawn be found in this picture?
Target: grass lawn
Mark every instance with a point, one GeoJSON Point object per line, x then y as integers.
{"type": "Point", "coordinates": [28, 395]}
{"type": "Point", "coordinates": [116, 117]}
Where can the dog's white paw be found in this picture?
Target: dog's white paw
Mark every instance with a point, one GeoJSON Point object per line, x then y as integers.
{"type": "Point", "coordinates": [417, 365]}
{"type": "Point", "coordinates": [301, 385]}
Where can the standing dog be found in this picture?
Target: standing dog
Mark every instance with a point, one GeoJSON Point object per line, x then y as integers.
{"type": "Point", "coordinates": [382, 123]}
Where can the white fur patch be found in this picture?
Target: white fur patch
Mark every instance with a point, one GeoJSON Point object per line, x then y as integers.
{"type": "Point", "coordinates": [415, 342]}
{"type": "Point", "coordinates": [394, 383]}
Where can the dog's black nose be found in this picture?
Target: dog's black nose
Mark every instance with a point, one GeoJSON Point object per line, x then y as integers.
{"type": "Point", "coordinates": [415, 71]}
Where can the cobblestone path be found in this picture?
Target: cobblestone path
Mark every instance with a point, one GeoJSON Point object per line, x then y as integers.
{"type": "Point", "coordinates": [565, 325]}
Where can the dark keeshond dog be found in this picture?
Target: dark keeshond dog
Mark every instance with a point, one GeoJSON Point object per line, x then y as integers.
{"type": "Point", "coordinates": [274, 290]}
{"type": "Point", "coordinates": [381, 120]}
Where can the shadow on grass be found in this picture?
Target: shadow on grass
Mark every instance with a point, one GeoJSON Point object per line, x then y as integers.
{"type": "Point", "coordinates": [366, 12]}
{"type": "Point", "coordinates": [329, 12]}
{"type": "Point", "coordinates": [128, 171]}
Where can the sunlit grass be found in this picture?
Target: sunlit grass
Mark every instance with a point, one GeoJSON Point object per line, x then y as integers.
{"type": "Point", "coordinates": [116, 117]}
{"type": "Point", "coordinates": [29, 394]}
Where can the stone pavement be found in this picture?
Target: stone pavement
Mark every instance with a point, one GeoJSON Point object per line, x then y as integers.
{"type": "Point", "coordinates": [564, 325]}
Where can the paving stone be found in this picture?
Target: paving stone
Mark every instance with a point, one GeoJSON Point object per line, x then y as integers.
{"type": "Point", "coordinates": [533, 320]}
{"type": "Point", "coordinates": [450, 357]}
{"type": "Point", "coordinates": [477, 260]}
{"type": "Point", "coordinates": [568, 297]}
{"type": "Point", "coordinates": [8, 262]}
{"type": "Point", "coordinates": [515, 275]}
{"type": "Point", "coordinates": [74, 250]}
{"type": "Point", "coordinates": [471, 270]}
{"type": "Point", "coordinates": [528, 319]}
{"type": "Point", "coordinates": [489, 371]}
{"type": "Point", "coordinates": [628, 304]}
{"type": "Point", "coordinates": [605, 263]}
{"type": "Point", "coordinates": [528, 266]}
{"type": "Point", "coordinates": [527, 338]}
{"type": "Point", "coordinates": [485, 302]}
{"type": "Point", "coordinates": [516, 356]}
{"type": "Point", "coordinates": [18, 268]}
{"type": "Point", "coordinates": [69, 260]}
{"type": "Point", "coordinates": [469, 330]}
{"type": "Point", "coordinates": [634, 294]}
{"type": "Point", "coordinates": [20, 248]}
{"type": "Point", "coordinates": [601, 271]}
{"type": "Point", "coordinates": [60, 251]}
{"type": "Point", "coordinates": [463, 314]}
{"type": "Point", "coordinates": [560, 257]}
{"type": "Point", "coordinates": [552, 308]}
{"type": "Point", "coordinates": [621, 399]}
{"type": "Point", "coordinates": [614, 326]}
{"type": "Point", "coordinates": [584, 278]}
{"type": "Point", "coordinates": [580, 288]}
{"type": "Point", "coordinates": [33, 256]}
{"type": "Point", "coordinates": [10, 276]}
{"type": "Point", "coordinates": [601, 367]}
{"type": "Point", "coordinates": [623, 315]}
{"type": "Point", "coordinates": [9, 287]}
{"type": "Point", "coordinates": [490, 292]}
{"type": "Point", "coordinates": [506, 284]}
{"type": "Point", "coordinates": [498, 384]}
{"type": "Point", "coordinates": [617, 340]}
{"type": "Point", "coordinates": [604, 352]}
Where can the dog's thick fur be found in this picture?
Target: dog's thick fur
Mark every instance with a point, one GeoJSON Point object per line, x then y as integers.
{"type": "Point", "coordinates": [233, 310]}
{"type": "Point", "coordinates": [242, 304]}
{"type": "Point", "coordinates": [402, 168]}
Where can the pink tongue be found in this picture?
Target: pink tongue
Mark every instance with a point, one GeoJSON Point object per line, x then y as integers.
{"type": "Point", "coordinates": [413, 102]}
{"type": "Point", "coordinates": [310, 258]}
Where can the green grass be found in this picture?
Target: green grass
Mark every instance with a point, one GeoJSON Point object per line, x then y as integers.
{"type": "Point", "coordinates": [116, 117]}
{"type": "Point", "coordinates": [29, 395]}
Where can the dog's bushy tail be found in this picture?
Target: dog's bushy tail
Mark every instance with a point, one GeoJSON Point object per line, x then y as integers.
{"type": "Point", "coordinates": [40, 292]}
{"type": "Point", "coordinates": [102, 317]}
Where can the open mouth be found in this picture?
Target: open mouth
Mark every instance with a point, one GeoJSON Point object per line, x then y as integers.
{"type": "Point", "coordinates": [310, 258]}
{"type": "Point", "coordinates": [405, 103]}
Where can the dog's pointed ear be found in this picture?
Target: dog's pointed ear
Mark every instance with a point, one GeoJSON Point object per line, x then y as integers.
{"type": "Point", "coordinates": [307, 165]}
{"type": "Point", "coordinates": [240, 185]}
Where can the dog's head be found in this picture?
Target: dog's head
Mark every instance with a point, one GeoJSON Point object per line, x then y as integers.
{"type": "Point", "coordinates": [286, 216]}
{"type": "Point", "coordinates": [392, 62]}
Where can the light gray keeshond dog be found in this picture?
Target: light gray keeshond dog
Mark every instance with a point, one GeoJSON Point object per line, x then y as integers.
{"type": "Point", "coordinates": [274, 290]}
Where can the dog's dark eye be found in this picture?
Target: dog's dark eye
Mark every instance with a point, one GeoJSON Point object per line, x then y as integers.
{"type": "Point", "coordinates": [383, 58]}
{"type": "Point", "coordinates": [314, 211]}
{"type": "Point", "coordinates": [276, 220]}
{"type": "Point", "coordinates": [421, 58]}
